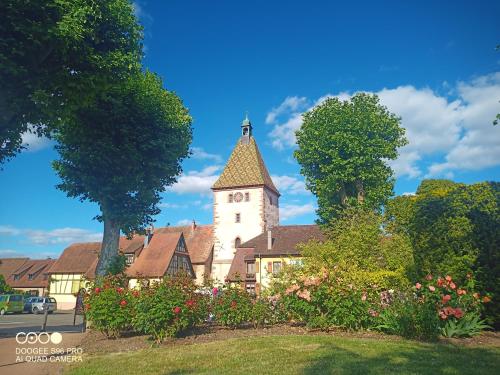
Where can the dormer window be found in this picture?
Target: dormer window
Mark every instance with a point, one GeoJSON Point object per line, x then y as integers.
{"type": "Point", "coordinates": [31, 276]}
{"type": "Point", "coordinates": [17, 276]}
{"type": "Point", "coordinates": [129, 259]}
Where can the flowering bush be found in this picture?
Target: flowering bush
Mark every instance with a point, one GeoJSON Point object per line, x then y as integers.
{"type": "Point", "coordinates": [168, 307]}
{"type": "Point", "coordinates": [231, 306]}
{"type": "Point", "coordinates": [108, 307]}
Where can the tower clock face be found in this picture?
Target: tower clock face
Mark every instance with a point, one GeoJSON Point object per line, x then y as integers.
{"type": "Point", "coordinates": [238, 197]}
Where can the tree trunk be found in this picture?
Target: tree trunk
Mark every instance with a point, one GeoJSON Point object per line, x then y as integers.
{"type": "Point", "coordinates": [361, 191]}
{"type": "Point", "coordinates": [109, 247]}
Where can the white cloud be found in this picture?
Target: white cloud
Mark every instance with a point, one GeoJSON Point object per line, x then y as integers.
{"type": "Point", "coordinates": [33, 142]}
{"type": "Point", "coordinates": [290, 184]}
{"type": "Point", "coordinates": [171, 205]}
{"type": "Point", "coordinates": [199, 153]}
{"type": "Point", "coordinates": [196, 182]}
{"type": "Point", "coordinates": [8, 252]}
{"type": "Point", "coordinates": [55, 236]}
{"type": "Point", "coordinates": [184, 222]}
{"type": "Point", "coordinates": [458, 131]}
{"type": "Point", "coordinates": [289, 211]}
{"type": "Point", "coordinates": [289, 105]}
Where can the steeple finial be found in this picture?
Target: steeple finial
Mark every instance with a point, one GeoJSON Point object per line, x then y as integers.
{"type": "Point", "coordinates": [246, 121]}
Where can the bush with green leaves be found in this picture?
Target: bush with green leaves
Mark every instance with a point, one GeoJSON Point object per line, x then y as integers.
{"type": "Point", "coordinates": [166, 308]}
{"type": "Point", "coordinates": [108, 305]}
{"type": "Point", "coordinates": [232, 306]}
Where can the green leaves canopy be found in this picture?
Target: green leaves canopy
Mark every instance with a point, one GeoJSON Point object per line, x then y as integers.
{"type": "Point", "coordinates": [343, 147]}
{"type": "Point", "coordinates": [57, 54]}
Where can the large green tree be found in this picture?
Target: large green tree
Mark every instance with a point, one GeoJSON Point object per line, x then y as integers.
{"type": "Point", "coordinates": [343, 149]}
{"type": "Point", "coordinates": [57, 54]}
{"type": "Point", "coordinates": [121, 151]}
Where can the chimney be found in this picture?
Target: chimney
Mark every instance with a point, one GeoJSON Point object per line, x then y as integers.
{"type": "Point", "coordinates": [149, 234]}
{"type": "Point", "coordinates": [269, 240]}
{"type": "Point", "coordinates": [193, 226]}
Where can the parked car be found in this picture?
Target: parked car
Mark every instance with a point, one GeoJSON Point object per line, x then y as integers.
{"type": "Point", "coordinates": [11, 303]}
{"type": "Point", "coordinates": [35, 304]}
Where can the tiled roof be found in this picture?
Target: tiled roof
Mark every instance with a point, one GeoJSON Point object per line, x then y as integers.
{"type": "Point", "coordinates": [245, 167]}
{"type": "Point", "coordinates": [285, 239]}
{"type": "Point", "coordinates": [155, 258]}
{"type": "Point", "coordinates": [77, 258]}
{"type": "Point", "coordinates": [37, 268]}
{"type": "Point", "coordinates": [199, 241]}
{"type": "Point", "coordinates": [9, 265]}
{"type": "Point", "coordinates": [238, 265]}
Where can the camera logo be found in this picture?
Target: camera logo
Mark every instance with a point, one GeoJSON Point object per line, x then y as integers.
{"type": "Point", "coordinates": [32, 338]}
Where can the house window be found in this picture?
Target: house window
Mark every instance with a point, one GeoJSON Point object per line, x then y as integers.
{"type": "Point", "coordinates": [30, 276]}
{"type": "Point", "coordinates": [247, 197]}
{"type": "Point", "coordinates": [250, 287]}
{"type": "Point", "coordinates": [129, 259]}
{"type": "Point", "coordinates": [276, 268]}
{"type": "Point", "coordinates": [297, 262]}
{"type": "Point", "coordinates": [230, 198]}
{"type": "Point", "coordinates": [237, 242]}
{"type": "Point", "coordinates": [251, 268]}
{"type": "Point", "coordinates": [238, 218]}
{"type": "Point", "coordinates": [16, 277]}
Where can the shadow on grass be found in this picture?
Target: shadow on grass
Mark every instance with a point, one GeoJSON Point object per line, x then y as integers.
{"type": "Point", "coordinates": [432, 359]}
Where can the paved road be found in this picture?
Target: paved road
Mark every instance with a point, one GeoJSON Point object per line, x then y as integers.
{"type": "Point", "coordinates": [60, 321]}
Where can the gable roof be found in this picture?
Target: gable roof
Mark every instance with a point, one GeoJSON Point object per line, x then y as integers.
{"type": "Point", "coordinates": [199, 240]}
{"type": "Point", "coordinates": [238, 266]}
{"type": "Point", "coordinates": [9, 265]}
{"type": "Point", "coordinates": [38, 268]}
{"type": "Point", "coordinates": [77, 258]}
{"type": "Point", "coordinates": [245, 167]}
{"type": "Point", "coordinates": [156, 257]}
{"type": "Point", "coordinates": [285, 239]}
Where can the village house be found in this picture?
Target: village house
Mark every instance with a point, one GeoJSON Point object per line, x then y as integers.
{"type": "Point", "coordinates": [257, 260]}
{"type": "Point", "coordinates": [27, 275]}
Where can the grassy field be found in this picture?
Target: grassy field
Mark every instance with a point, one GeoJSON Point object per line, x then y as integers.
{"type": "Point", "coordinates": [298, 355]}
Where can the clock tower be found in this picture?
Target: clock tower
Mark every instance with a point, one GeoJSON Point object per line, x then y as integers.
{"type": "Point", "coordinates": [245, 201]}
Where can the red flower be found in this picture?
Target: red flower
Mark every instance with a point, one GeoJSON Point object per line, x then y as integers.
{"type": "Point", "coordinates": [418, 285]}
{"type": "Point", "coordinates": [135, 293]}
{"type": "Point", "coordinates": [452, 285]}
{"type": "Point", "coordinates": [215, 291]}
{"type": "Point", "coordinates": [119, 290]}
{"type": "Point", "coordinates": [445, 298]}
{"type": "Point", "coordinates": [177, 310]}
{"type": "Point", "coordinates": [428, 277]}
{"type": "Point", "coordinates": [97, 290]}
{"type": "Point", "coordinates": [458, 313]}
{"type": "Point", "coordinates": [448, 278]}
{"type": "Point", "coordinates": [440, 282]}
{"type": "Point", "coordinates": [123, 303]}
{"type": "Point", "coordinates": [190, 303]}
{"type": "Point", "coordinates": [486, 299]}
{"type": "Point", "coordinates": [233, 304]}
{"type": "Point", "coordinates": [87, 306]}
{"type": "Point", "coordinates": [461, 292]}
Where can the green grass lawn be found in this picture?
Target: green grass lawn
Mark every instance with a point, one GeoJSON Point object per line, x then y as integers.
{"type": "Point", "coordinates": [298, 355]}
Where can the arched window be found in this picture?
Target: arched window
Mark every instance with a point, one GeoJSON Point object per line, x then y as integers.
{"type": "Point", "coordinates": [237, 242]}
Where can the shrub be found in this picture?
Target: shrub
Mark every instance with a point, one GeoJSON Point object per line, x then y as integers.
{"type": "Point", "coordinates": [108, 307]}
{"type": "Point", "coordinates": [232, 306]}
{"type": "Point", "coordinates": [470, 325]}
{"type": "Point", "coordinates": [168, 307]}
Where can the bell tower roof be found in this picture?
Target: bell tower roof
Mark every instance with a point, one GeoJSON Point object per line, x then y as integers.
{"type": "Point", "coordinates": [245, 167]}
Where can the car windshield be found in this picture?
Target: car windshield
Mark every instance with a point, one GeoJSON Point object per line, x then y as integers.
{"type": "Point", "coordinates": [3, 298]}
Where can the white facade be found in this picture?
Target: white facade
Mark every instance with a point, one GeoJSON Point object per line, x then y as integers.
{"type": "Point", "coordinates": [237, 221]}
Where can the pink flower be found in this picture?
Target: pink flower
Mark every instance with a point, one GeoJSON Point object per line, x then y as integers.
{"type": "Point", "coordinates": [458, 313]}
{"type": "Point", "coordinates": [445, 298]}
{"type": "Point", "coordinates": [119, 290]}
{"type": "Point", "coordinates": [448, 278]}
{"type": "Point", "coordinates": [418, 285]}
{"type": "Point", "coordinates": [431, 288]}
{"type": "Point", "coordinates": [292, 289]}
{"type": "Point", "coordinates": [363, 297]}
{"type": "Point", "coordinates": [312, 281]}
{"type": "Point", "coordinates": [123, 303]}
{"type": "Point", "coordinates": [428, 277]}
{"type": "Point", "coordinates": [304, 294]}
{"type": "Point", "coordinates": [440, 282]}
{"type": "Point", "coordinates": [177, 310]}
{"type": "Point", "coordinates": [452, 285]}
{"type": "Point", "coordinates": [461, 292]}
{"type": "Point", "coordinates": [97, 290]}
{"type": "Point", "coordinates": [374, 313]}
{"type": "Point", "coordinates": [215, 291]}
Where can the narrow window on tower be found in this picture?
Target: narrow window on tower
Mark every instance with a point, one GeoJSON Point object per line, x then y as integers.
{"type": "Point", "coordinates": [230, 198]}
{"type": "Point", "coordinates": [237, 218]}
{"type": "Point", "coordinates": [237, 242]}
{"type": "Point", "coordinates": [247, 197]}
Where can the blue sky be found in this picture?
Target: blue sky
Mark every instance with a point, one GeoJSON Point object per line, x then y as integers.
{"type": "Point", "coordinates": [432, 63]}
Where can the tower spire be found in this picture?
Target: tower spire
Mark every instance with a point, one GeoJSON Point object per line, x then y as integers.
{"type": "Point", "coordinates": [246, 129]}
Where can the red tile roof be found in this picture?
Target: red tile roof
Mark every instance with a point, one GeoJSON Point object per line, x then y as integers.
{"type": "Point", "coordinates": [200, 241]}
{"type": "Point", "coordinates": [38, 269]}
{"type": "Point", "coordinates": [9, 265]}
{"type": "Point", "coordinates": [155, 258]}
{"type": "Point", "coordinates": [238, 265]}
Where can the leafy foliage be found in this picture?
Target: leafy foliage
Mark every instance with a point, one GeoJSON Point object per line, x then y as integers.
{"type": "Point", "coordinates": [107, 305]}
{"type": "Point", "coordinates": [470, 325]}
{"type": "Point", "coordinates": [232, 306]}
{"type": "Point", "coordinates": [56, 55]}
{"type": "Point", "coordinates": [343, 147]}
{"type": "Point", "coordinates": [168, 307]}
{"type": "Point", "coordinates": [121, 151]}
{"type": "Point", "coordinates": [4, 287]}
